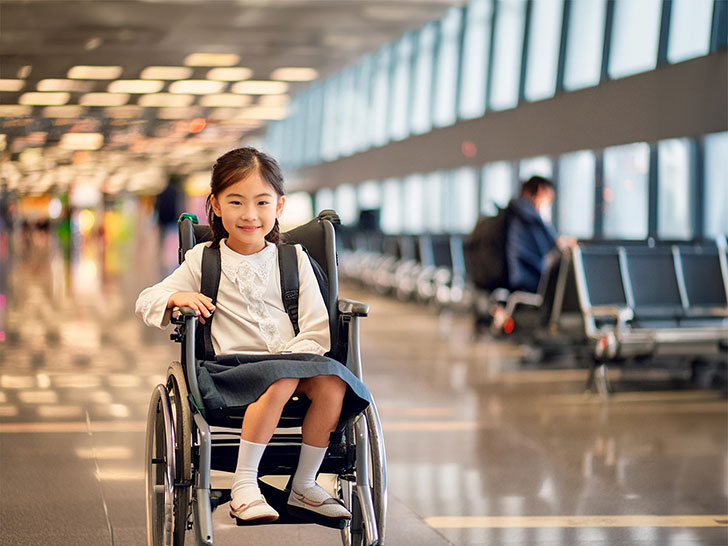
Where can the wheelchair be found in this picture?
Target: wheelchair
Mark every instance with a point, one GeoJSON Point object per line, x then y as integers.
{"type": "Point", "coordinates": [183, 445]}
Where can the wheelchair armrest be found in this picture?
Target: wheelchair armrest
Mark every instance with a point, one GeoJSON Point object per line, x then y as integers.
{"type": "Point", "coordinates": [180, 313]}
{"type": "Point", "coordinates": [353, 308]}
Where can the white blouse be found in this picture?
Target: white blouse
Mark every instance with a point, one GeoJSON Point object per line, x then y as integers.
{"type": "Point", "coordinates": [249, 315]}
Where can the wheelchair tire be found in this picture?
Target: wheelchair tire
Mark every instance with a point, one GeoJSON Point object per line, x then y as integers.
{"type": "Point", "coordinates": [378, 469]}
{"type": "Point", "coordinates": [160, 469]}
{"type": "Point", "coordinates": [182, 416]}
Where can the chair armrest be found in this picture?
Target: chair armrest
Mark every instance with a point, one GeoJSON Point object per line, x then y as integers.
{"type": "Point", "coordinates": [180, 313]}
{"type": "Point", "coordinates": [622, 314]}
{"type": "Point", "coordinates": [522, 298]}
{"type": "Point", "coordinates": [353, 307]}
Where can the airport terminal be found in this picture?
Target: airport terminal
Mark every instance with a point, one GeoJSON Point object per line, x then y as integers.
{"type": "Point", "coordinates": [364, 272]}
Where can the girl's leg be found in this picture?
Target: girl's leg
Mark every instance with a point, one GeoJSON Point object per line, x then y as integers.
{"type": "Point", "coordinates": [259, 423]}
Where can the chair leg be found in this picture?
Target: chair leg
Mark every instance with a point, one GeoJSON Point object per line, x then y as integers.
{"type": "Point", "coordinates": [602, 380]}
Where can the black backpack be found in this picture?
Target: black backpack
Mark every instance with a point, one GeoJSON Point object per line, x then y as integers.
{"type": "Point", "coordinates": [485, 252]}
{"type": "Point", "coordinates": [288, 264]}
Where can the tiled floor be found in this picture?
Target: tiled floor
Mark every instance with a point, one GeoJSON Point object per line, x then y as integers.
{"type": "Point", "coordinates": [481, 449]}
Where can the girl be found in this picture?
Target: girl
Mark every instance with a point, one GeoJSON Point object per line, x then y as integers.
{"type": "Point", "coordinates": [245, 202]}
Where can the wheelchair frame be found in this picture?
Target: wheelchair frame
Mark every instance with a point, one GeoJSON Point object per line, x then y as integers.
{"type": "Point", "coordinates": [182, 449]}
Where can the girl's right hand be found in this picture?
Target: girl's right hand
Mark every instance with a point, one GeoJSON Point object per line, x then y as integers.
{"type": "Point", "coordinates": [201, 304]}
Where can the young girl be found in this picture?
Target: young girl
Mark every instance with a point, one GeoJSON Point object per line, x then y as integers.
{"type": "Point", "coordinates": [243, 208]}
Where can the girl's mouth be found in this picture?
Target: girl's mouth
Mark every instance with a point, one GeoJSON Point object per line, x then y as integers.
{"type": "Point", "coordinates": [249, 228]}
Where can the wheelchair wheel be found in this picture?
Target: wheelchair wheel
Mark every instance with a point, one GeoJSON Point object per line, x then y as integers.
{"type": "Point", "coordinates": [182, 419]}
{"type": "Point", "coordinates": [160, 469]}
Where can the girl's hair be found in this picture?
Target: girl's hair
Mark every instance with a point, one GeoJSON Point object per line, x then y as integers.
{"type": "Point", "coordinates": [233, 167]}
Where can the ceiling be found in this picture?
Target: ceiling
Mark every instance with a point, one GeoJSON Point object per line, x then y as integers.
{"type": "Point", "coordinates": [43, 40]}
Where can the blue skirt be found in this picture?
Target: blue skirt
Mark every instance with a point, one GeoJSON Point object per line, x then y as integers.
{"type": "Point", "coordinates": [231, 382]}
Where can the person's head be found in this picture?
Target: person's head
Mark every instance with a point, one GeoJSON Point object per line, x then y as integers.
{"type": "Point", "coordinates": [246, 199]}
{"type": "Point", "coordinates": [539, 190]}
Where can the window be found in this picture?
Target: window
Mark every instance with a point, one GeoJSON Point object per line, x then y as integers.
{"type": "Point", "coordinates": [476, 48]}
{"type": "Point", "coordinates": [346, 204]}
{"type": "Point", "coordinates": [535, 166]}
{"type": "Point", "coordinates": [674, 202]}
{"type": "Point", "coordinates": [716, 185]}
{"type": "Point", "coordinates": [380, 97]}
{"type": "Point", "coordinates": [543, 48]}
{"type": "Point", "coordinates": [626, 191]}
{"type": "Point", "coordinates": [447, 68]}
{"type": "Point", "coordinates": [391, 206]}
{"type": "Point", "coordinates": [584, 43]}
{"type": "Point", "coordinates": [414, 204]}
{"type": "Point", "coordinates": [462, 199]}
{"type": "Point", "coordinates": [690, 22]}
{"type": "Point", "coordinates": [496, 187]}
{"type": "Point", "coordinates": [360, 108]}
{"type": "Point", "coordinates": [329, 147]}
{"type": "Point", "coordinates": [324, 199]}
{"type": "Point", "coordinates": [421, 115]}
{"type": "Point", "coordinates": [509, 25]}
{"type": "Point", "coordinates": [433, 202]}
{"type": "Point", "coordinates": [575, 200]}
{"type": "Point", "coordinates": [312, 145]}
{"type": "Point", "coordinates": [369, 195]}
{"type": "Point", "coordinates": [345, 128]}
{"type": "Point", "coordinates": [401, 88]}
{"type": "Point", "coordinates": [635, 36]}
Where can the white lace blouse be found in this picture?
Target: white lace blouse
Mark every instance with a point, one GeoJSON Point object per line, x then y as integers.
{"type": "Point", "coordinates": [249, 313]}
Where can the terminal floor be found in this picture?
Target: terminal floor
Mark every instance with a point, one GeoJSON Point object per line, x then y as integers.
{"type": "Point", "coordinates": [482, 450]}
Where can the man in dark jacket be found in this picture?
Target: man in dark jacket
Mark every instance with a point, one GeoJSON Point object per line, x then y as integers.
{"type": "Point", "coordinates": [528, 238]}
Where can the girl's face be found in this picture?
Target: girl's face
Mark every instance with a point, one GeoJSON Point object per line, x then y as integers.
{"type": "Point", "coordinates": [248, 209]}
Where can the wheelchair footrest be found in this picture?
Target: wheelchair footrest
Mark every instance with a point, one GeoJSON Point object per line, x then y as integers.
{"type": "Point", "coordinates": [311, 517]}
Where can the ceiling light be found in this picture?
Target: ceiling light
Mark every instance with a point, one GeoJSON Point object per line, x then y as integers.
{"type": "Point", "coordinates": [260, 87]}
{"type": "Point", "coordinates": [94, 72]}
{"type": "Point", "coordinates": [135, 86]}
{"type": "Point", "coordinates": [165, 99]}
{"type": "Point", "coordinates": [24, 71]}
{"type": "Point", "coordinates": [212, 59]}
{"type": "Point", "coordinates": [265, 112]}
{"type": "Point", "coordinates": [230, 74]}
{"type": "Point", "coordinates": [104, 99]}
{"type": "Point", "coordinates": [197, 87]}
{"type": "Point", "coordinates": [45, 99]}
{"type": "Point", "coordinates": [274, 100]}
{"type": "Point", "coordinates": [128, 111]}
{"type": "Point", "coordinates": [67, 111]}
{"type": "Point", "coordinates": [15, 111]}
{"type": "Point", "coordinates": [11, 85]}
{"type": "Point", "coordinates": [82, 141]}
{"type": "Point", "coordinates": [294, 74]}
{"type": "Point", "coordinates": [166, 73]}
{"type": "Point", "coordinates": [225, 100]}
{"type": "Point", "coordinates": [177, 113]}
{"type": "Point", "coordinates": [64, 85]}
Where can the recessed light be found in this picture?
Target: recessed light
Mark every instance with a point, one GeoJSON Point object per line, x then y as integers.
{"type": "Point", "coordinates": [104, 99]}
{"type": "Point", "coordinates": [225, 100]}
{"type": "Point", "coordinates": [44, 99]}
{"type": "Point", "coordinates": [11, 85]}
{"type": "Point", "coordinates": [64, 85]}
{"type": "Point", "coordinates": [166, 73]}
{"type": "Point", "coordinates": [82, 72]}
{"type": "Point", "coordinates": [135, 86]}
{"type": "Point", "coordinates": [212, 59]}
{"type": "Point", "coordinates": [197, 87]}
{"type": "Point", "coordinates": [260, 87]}
{"type": "Point", "coordinates": [165, 99]}
{"type": "Point", "coordinates": [81, 141]}
{"type": "Point", "coordinates": [229, 74]}
{"type": "Point", "coordinates": [67, 111]}
{"type": "Point", "coordinates": [15, 111]}
{"type": "Point", "coordinates": [294, 74]}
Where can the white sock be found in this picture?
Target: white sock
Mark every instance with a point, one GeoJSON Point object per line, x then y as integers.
{"type": "Point", "coordinates": [308, 465]}
{"type": "Point", "coordinates": [245, 481]}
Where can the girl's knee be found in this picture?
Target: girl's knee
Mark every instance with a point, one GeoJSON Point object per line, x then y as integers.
{"type": "Point", "coordinates": [331, 387]}
{"type": "Point", "coordinates": [282, 389]}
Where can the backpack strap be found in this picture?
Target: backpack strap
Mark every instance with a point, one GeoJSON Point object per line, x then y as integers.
{"type": "Point", "coordinates": [211, 266]}
{"type": "Point", "coordinates": [288, 266]}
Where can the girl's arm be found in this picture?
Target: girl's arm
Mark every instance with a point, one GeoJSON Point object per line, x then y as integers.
{"type": "Point", "coordinates": [313, 318]}
{"type": "Point", "coordinates": [154, 305]}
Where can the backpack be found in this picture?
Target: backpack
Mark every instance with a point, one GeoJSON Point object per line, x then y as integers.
{"type": "Point", "coordinates": [485, 252]}
{"type": "Point", "coordinates": [288, 265]}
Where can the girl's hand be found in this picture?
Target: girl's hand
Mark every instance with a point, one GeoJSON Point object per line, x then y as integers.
{"type": "Point", "coordinates": [201, 304]}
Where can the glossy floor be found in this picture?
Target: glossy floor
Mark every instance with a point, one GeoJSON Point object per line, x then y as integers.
{"type": "Point", "coordinates": [481, 448]}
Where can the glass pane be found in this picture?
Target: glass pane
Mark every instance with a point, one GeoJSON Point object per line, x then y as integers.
{"type": "Point", "coordinates": [584, 43]}
{"type": "Point", "coordinates": [433, 201]}
{"type": "Point", "coordinates": [345, 127]}
{"type": "Point", "coordinates": [625, 191]}
{"type": "Point", "coordinates": [543, 48]}
{"type": "Point", "coordinates": [346, 204]}
{"type": "Point", "coordinates": [716, 184]}
{"type": "Point", "coordinates": [476, 49]}
{"type": "Point", "coordinates": [576, 194]}
{"type": "Point", "coordinates": [509, 24]}
{"type": "Point", "coordinates": [401, 88]}
{"type": "Point", "coordinates": [690, 23]}
{"type": "Point", "coordinates": [674, 220]}
{"type": "Point", "coordinates": [380, 96]}
{"type": "Point", "coordinates": [312, 146]}
{"type": "Point", "coordinates": [635, 37]}
{"type": "Point", "coordinates": [324, 199]}
{"type": "Point", "coordinates": [391, 206]}
{"type": "Point", "coordinates": [497, 187]}
{"type": "Point", "coordinates": [463, 199]}
{"type": "Point", "coordinates": [369, 195]}
{"type": "Point", "coordinates": [414, 204]}
{"type": "Point", "coordinates": [422, 98]}
{"type": "Point", "coordinates": [447, 68]}
{"type": "Point", "coordinates": [361, 104]}
{"type": "Point", "coordinates": [535, 166]}
{"type": "Point", "coordinates": [328, 131]}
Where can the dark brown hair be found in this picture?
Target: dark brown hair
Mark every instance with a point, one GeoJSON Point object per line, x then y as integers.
{"type": "Point", "coordinates": [234, 166]}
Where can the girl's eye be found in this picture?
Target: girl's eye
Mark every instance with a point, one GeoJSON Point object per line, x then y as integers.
{"type": "Point", "coordinates": [262, 202]}
{"type": "Point", "coordinates": [234, 202]}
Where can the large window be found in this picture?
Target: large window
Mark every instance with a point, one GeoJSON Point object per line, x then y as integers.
{"type": "Point", "coordinates": [391, 206]}
{"type": "Point", "coordinates": [329, 145]}
{"type": "Point", "coordinates": [401, 88]}
{"type": "Point", "coordinates": [584, 44]}
{"type": "Point", "coordinates": [346, 131]}
{"type": "Point", "coordinates": [509, 27]}
{"type": "Point", "coordinates": [361, 106]}
{"type": "Point", "coordinates": [421, 115]}
{"type": "Point", "coordinates": [414, 204]}
{"type": "Point", "coordinates": [476, 48]}
{"type": "Point", "coordinates": [461, 200]}
{"type": "Point", "coordinates": [369, 195]}
{"type": "Point", "coordinates": [635, 37]}
{"type": "Point", "coordinates": [543, 48]}
{"type": "Point", "coordinates": [674, 199]}
{"type": "Point", "coordinates": [716, 184]}
{"type": "Point", "coordinates": [690, 23]}
{"type": "Point", "coordinates": [433, 203]}
{"type": "Point", "coordinates": [496, 187]}
{"type": "Point", "coordinates": [626, 191]}
{"type": "Point", "coordinates": [535, 166]}
{"type": "Point", "coordinates": [575, 214]}
{"type": "Point", "coordinates": [346, 205]}
{"type": "Point", "coordinates": [324, 199]}
{"type": "Point", "coordinates": [447, 68]}
{"type": "Point", "coordinates": [380, 97]}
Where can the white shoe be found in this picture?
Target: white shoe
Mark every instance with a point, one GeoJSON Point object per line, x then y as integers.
{"type": "Point", "coordinates": [315, 500]}
{"type": "Point", "coordinates": [257, 511]}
